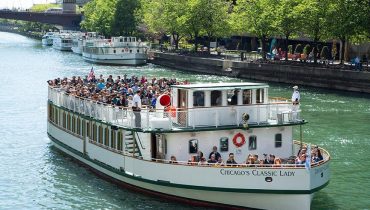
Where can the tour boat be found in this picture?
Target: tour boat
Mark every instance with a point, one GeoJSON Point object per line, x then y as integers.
{"type": "Point", "coordinates": [135, 148]}
{"type": "Point", "coordinates": [47, 39]}
{"type": "Point", "coordinates": [116, 51]}
{"type": "Point", "coordinates": [62, 41]}
{"type": "Point", "coordinates": [79, 40]}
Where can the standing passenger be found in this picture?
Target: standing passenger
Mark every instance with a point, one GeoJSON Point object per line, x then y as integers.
{"type": "Point", "coordinates": [296, 97]}
{"type": "Point", "coordinates": [137, 108]}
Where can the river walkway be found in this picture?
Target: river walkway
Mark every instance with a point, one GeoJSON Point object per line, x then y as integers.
{"type": "Point", "coordinates": [331, 76]}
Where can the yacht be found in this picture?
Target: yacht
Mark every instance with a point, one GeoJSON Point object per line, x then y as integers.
{"type": "Point", "coordinates": [47, 39]}
{"type": "Point", "coordinates": [116, 51]}
{"type": "Point", "coordinates": [160, 150]}
{"type": "Point", "coordinates": [63, 41]}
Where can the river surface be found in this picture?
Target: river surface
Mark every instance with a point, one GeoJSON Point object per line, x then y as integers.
{"type": "Point", "coordinates": [34, 175]}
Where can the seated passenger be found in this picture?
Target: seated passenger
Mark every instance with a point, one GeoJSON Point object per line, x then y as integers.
{"type": "Point", "coordinates": [214, 152]}
{"type": "Point", "coordinates": [203, 161]}
{"type": "Point", "coordinates": [269, 160]}
{"type": "Point", "coordinates": [277, 162]}
{"type": "Point", "coordinates": [173, 159]}
{"type": "Point", "coordinates": [300, 160]}
{"type": "Point", "coordinates": [256, 161]}
{"type": "Point", "coordinates": [212, 159]}
{"type": "Point", "coordinates": [231, 161]}
{"type": "Point", "coordinates": [199, 156]}
{"type": "Point", "coordinates": [250, 160]}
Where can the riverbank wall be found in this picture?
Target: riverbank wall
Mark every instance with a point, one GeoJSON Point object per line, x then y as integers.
{"type": "Point", "coordinates": [306, 75]}
{"type": "Point", "coordinates": [15, 30]}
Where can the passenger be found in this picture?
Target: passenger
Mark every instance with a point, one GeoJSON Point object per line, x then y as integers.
{"type": "Point", "coordinates": [212, 159]}
{"type": "Point", "coordinates": [256, 161]}
{"type": "Point", "coordinates": [199, 156]}
{"type": "Point", "coordinates": [300, 160]}
{"type": "Point", "coordinates": [231, 161]}
{"type": "Point", "coordinates": [214, 152]}
{"type": "Point", "coordinates": [277, 162]}
{"type": "Point", "coordinates": [250, 161]}
{"type": "Point", "coordinates": [203, 161]}
{"type": "Point", "coordinates": [269, 160]}
{"type": "Point", "coordinates": [173, 159]}
{"type": "Point", "coordinates": [234, 98]}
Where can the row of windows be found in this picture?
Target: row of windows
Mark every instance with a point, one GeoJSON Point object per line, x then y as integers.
{"type": "Point", "coordinates": [224, 143]}
{"type": "Point", "coordinates": [232, 97]}
{"type": "Point", "coordinates": [104, 135]}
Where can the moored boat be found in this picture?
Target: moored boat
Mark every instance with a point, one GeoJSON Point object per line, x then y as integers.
{"type": "Point", "coordinates": [63, 41]}
{"type": "Point", "coordinates": [47, 39]}
{"type": "Point", "coordinates": [159, 149]}
{"type": "Point", "coordinates": [116, 51]}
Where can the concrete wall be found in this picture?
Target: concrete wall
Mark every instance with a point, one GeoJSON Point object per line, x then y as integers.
{"type": "Point", "coordinates": [314, 76]}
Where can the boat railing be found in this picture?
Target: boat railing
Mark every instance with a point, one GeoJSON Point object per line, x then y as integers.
{"type": "Point", "coordinates": [168, 119]}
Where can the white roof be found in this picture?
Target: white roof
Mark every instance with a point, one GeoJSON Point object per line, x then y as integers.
{"type": "Point", "coordinates": [222, 86]}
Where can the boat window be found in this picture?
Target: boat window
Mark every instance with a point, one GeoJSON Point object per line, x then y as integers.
{"type": "Point", "coordinates": [130, 51]}
{"type": "Point", "coordinates": [95, 132]}
{"type": "Point", "coordinates": [125, 39]}
{"type": "Point", "coordinates": [79, 126]}
{"type": "Point", "coordinates": [56, 119]}
{"type": "Point", "coordinates": [216, 98]}
{"type": "Point", "coordinates": [101, 134]}
{"type": "Point", "coordinates": [114, 51]}
{"type": "Point", "coordinates": [252, 142]}
{"type": "Point", "coordinates": [64, 120]}
{"type": "Point", "coordinates": [113, 139]}
{"type": "Point", "coordinates": [278, 140]}
{"type": "Point", "coordinates": [50, 108]}
{"type": "Point", "coordinates": [119, 141]}
{"type": "Point", "coordinates": [106, 134]}
{"type": "Point", "coordinates": [198, 98]}
{"type": "Point", "coordinates": [68, 121]}
{"type": "Point", "coordinates": [247, 96]}
{"type": "Point", "coordinates": [224, 144]}
{"type": "Point", "coordinates": [73, 124]}
{"type": "Point", "coordinates": [123, 50]}
{"type": "Point", "coordinates": [137, 51]}
{"type": "Point", "coordinates": [232, 97]}
{"type": "Point", "coordinates": [260, 96]}
{"type": "Point", "coordinates": [121, 40]}
{"type": "Point", "coordinates": [193, 146]}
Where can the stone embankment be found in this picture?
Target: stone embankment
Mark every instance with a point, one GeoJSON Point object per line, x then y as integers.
{"type": "Point", "coordinates": [301, 74]}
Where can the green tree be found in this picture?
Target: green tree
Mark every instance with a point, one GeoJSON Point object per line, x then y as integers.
{"type": "Point", "coordinates": [314, 23]}
{"type": "Point", "coordinates": [99, 16]}
{"type": "Point", "coordinates": [165, 17]}
{"type": "Point", "coordinates": [256, 17]}
{"type": "Point", "coordinates": [286, 20]}
{"type": "Point", "coordinates": [124, 19]}
{"type": "Point", "coordinates": [349, 20]}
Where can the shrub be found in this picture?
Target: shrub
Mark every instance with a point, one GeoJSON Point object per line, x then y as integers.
{"type": "Point", "coordinates": [325, 53]}
{"type": "Point", "coordinates": [298, 49]}
{"type": "Point", "coordinates": [307, 49]}
{"type": "Point", "coordinates": [290, 49]}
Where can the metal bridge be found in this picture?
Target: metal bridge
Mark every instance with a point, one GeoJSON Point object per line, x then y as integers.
{"type": "Point", "coordinates": [68, 19]}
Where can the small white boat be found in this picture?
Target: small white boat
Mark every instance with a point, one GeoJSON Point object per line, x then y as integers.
{"type": "Point", "coordinates": [63, 40]}
{"type": "Point", "coordinates": [47, 39]}
{"type": "Point", "coordinates": [136, 149]}
{"type": "Point", "coordinates": [116, 51]}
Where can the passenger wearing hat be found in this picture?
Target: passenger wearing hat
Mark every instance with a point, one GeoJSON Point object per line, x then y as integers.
{"type": "Point", "coordinates": [296, 96]}
{"type": "Point", "coordinates": [295, 100]}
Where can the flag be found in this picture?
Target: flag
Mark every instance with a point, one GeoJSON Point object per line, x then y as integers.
{"type": "Point", "coordinates": [91, 74]}
{"type": "Point", "coordinates": [308, 157]}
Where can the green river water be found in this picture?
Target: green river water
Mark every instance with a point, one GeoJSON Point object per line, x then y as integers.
{"type": "Point", "coordinates": [34, 175]}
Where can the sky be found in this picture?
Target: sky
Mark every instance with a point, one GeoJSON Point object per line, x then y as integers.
{"type": "Point", "coordinates": [23, 4]}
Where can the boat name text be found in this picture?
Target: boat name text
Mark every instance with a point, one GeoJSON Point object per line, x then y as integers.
{"type": "Point", "coordinates": [232, 172]}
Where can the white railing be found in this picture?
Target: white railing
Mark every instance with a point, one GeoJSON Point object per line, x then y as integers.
{"type": "Point", "coordinates": [190, 118]}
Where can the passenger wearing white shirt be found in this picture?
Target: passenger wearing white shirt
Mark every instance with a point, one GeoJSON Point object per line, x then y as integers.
{"type": "Point", "coordinates": [295, 100]}
{"type": "Point", "coordinates": [136, 108]}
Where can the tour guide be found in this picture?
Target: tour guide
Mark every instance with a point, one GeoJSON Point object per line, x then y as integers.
{"type": "Point", "coordinates": [136, 108]}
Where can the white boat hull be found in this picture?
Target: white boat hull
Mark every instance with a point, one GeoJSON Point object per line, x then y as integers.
{"type": "Point", "coordinates": [117, 59]}
{"type": "Point", "coordinates": [47, 42]}
{"type": "Point", "coordinates": [245, 190]}
{"type": "Point", "coordinates": [77, 50]}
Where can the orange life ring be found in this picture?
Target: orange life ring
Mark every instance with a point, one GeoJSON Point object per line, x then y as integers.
{"type": "Point", "coordinates": [171, 110]}
{"type": "Point", "coordinates": [236, 142]}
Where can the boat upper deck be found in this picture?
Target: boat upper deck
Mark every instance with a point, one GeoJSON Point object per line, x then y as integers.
{"type": "Point", "coordinates": [189, 107]}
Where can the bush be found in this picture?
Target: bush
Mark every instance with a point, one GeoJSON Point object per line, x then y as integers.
{"type": "Point", "coordinates": [325, 53]}
{"type": "Point", "coordinates": [307, 49]}
{"type": "Point", "coordinates": [290, 49]}
{"type": "Point", "coordinates": [298, 49]}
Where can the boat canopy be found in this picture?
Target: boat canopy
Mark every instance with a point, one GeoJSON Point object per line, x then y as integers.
{"type": "Point", "coordinates": [222, 86]}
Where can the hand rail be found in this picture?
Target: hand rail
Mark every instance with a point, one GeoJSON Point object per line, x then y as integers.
{"type": "Point", "coordinates": [138, 138]}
